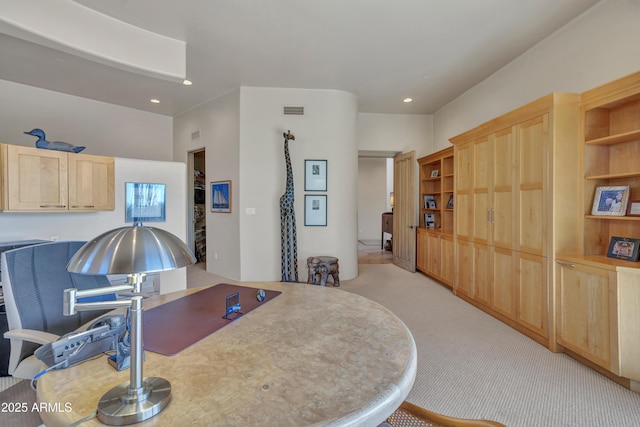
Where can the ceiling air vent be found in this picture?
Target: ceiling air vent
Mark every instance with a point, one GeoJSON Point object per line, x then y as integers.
{"type": "Point", "coordinates": [293, 111]}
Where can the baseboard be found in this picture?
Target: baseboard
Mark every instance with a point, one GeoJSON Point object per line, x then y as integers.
{"type": "Point", "coordinates": [367, 242]}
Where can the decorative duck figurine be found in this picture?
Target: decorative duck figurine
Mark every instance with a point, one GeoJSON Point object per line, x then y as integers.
{"type": "Point", "coordinates": [53, 145]}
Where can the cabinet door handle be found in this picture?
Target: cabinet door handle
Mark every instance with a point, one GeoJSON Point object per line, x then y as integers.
{"type": "Point", "coordinates": [83, 206]}
{"type": "Point", "coordinates": [566, 264]}
{"type": "Point", "coordinates": [52, 206]}
{"type": "Point", "coordinates": [490, 216]}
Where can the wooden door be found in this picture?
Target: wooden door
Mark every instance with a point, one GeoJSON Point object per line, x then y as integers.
{"type": "Point", "coordinates": [533, 296]}
{"type": "Point", "coordinates": [434, 254]}
{"type": "Point", "coordinates": [446, 260]}
{"type": "Point", "coordinates": [464, 282]}
{"type": "Point", "coordinates": [404, 213]}
{"type": "Point", "coordinates": [533, 137]}
{"type": "Point", "coordinates": [91, 182]}
{"type": "Point", "coordinates": [422, 253]}
{"type": "Point", "coordinates": [481, 173]}
{"type": "Point", "coordinates": [503, 295]}
{"type": "Point", "coordinates": [36, 179]}
{"type": "Point", "coordinates": [463, 192]}
{"type": "Point", "coordinates": [586, 308]}
{"type": "Point", "coordinates": [503, 198]}
{"type": "Point", "coordinates": [482, 275]}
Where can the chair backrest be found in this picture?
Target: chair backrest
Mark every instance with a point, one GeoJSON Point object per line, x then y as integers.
{"type": "Point", "coordinates": [33, 281]}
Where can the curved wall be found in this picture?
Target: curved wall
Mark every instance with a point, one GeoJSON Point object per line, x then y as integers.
{"type": "Point", "coordinates": [326, 131]}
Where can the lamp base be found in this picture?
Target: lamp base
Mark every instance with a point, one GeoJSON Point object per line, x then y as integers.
{"type": "Point", "coordinates": [119, 407]}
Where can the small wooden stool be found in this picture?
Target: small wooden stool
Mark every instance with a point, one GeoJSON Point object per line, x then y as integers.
{"type": "Point", "coordinates": [323, 266]}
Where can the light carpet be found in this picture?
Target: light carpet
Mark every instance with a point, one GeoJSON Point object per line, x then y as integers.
{"type": "Point", "coordinates": [471, 365]}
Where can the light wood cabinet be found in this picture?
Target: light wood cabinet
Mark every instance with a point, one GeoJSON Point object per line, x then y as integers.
{"type": "Point", "coordinates": [434, 240]}
{"type": "Point", "coordinates": [91, 182]}
{"type": "Point", "coordinates": [598, 297]}
{"type": "Point", "coordinates": [435, 255]}
{"type": "Point", "coordinates": [512, 173]}
{"type": "Point", "coordinates": [598, 315]}
{"type": "Point", "coordinates": [47, 180]}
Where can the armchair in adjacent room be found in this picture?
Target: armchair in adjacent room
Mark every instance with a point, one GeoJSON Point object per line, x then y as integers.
{"type": "Point", "coordinates": [33, 282]}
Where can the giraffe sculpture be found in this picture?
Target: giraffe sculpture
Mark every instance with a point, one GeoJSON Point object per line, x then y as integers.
{"type": "Point", "coordinates": [289, 245]}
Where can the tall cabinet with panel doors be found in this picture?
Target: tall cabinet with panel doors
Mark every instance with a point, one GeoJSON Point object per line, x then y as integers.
{"type": "Point", "coordinates": [516, 187]}
{"type": "Point", "coordinates": [434, 239]}
{"type": "Point", "coordinates": [34, 179]}
{"type": "Point", "coordinates": [598, 296]}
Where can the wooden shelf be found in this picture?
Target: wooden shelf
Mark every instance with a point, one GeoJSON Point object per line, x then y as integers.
{"type": "Point", "coordinates": [614, 176]}
{"type": "Point", "coordinates": [615, 139]}
{"type": "Point", "coordinates": [613, 218]}
{"type": "Point", "coordinates": [611, 137]}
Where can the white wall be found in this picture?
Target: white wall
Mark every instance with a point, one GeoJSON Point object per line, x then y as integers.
{"type": "Point", "coordinates": [373, 197]}
{"type": "Point", "coordinates": [242, 133]}
{"type": "Point", "coordinates": [392, 132]}
{"type": "Point", "coordinates": [219, 125]}
{"type": "Point", "coordinates": [87, 225]}
{"type": "Point", "coordinates": [326, 131]}
{"type": "Point", "coordinates": [601, 45]}
{"type": "Point", "coordinates": [395, 132]}
{"type": "Point", "coordinates": [105, 129]}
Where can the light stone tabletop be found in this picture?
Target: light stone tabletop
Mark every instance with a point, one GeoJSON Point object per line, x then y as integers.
{"type": "Point", "coordinates": [311, 356]}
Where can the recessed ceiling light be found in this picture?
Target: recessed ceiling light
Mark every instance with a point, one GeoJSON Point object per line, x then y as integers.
{"type": "Point", "coordinates": [155, 101]}
{"type": "Point", "coordinates": [407, 100]}
{"type": "Point", "coordinates": [187, 82]}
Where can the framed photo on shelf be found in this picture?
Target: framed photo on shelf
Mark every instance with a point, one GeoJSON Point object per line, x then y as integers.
{"type": "Point", "coordinates": [450, 202]}
{"type": "Point", "coordinates": [634, 208]}
{"type": "Point", "coordinates": [315, 175]}
{"type": "Point", "coordinates": [429, 201]}
{"type": "Point", "coordinates": [144, 202]}
{"type": "Point", "coordinates": [315, 210]}
{"type": "Point", "coordinates": [610, 201]}
{"type": "Point", "coordinates": [221, 196]}
{"type": "Point", "coordinates": [624, 248]}
{"type": "Point", "coordinates": [435, 173]}
{"type": "Point", "coordinates": [429, 220]}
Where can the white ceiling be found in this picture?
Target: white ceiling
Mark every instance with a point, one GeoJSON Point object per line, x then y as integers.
{"type": "Point", "coordinates": [381, 50]}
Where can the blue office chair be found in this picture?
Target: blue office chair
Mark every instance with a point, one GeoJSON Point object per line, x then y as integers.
{"type": "Point", "coordinates": [33, 282]}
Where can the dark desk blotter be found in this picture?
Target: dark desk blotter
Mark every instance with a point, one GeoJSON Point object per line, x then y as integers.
{"type": "Point", "coordinates": [170, 328]}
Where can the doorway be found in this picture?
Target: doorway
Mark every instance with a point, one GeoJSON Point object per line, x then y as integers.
{"type": "Point", "coordinates": [197, 205]}
{"type": "Point", "coordinates": [375, 187]}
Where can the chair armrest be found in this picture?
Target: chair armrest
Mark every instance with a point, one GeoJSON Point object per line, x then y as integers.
{"type": "Point", "coordinates": [31, 335]}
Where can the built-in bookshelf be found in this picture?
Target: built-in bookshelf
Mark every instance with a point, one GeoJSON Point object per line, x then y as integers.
{"type": "Point", "coordinates": [434, 239]}
{"type": "Point", "coordinates": [436, 190]}
{"type": "Point", "coordinates": [611, 135]}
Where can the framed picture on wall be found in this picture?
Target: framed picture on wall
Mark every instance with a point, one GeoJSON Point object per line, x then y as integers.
{"type": "Point", "coordinates": [221, 196]}
{"type": "Point", "coordinates": [315, 210]}
{"type": "Point", "coordinates": [315, 175]}
{"type": "Point", "coordinates": [144, 202]}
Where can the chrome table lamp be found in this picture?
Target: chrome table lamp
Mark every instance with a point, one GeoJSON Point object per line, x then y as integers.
{"type": "Point", "coordinates": [133, 251]}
